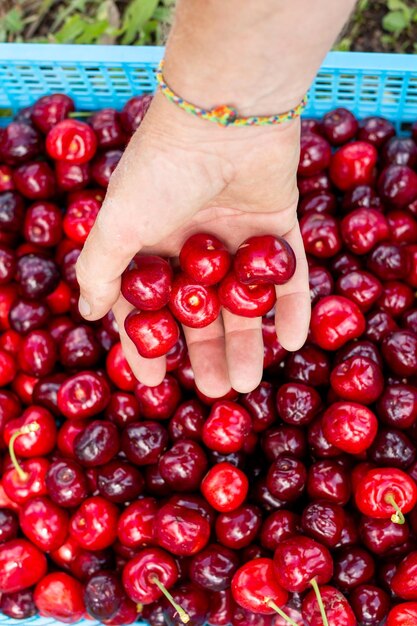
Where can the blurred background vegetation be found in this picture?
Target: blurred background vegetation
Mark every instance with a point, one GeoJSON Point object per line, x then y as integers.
{"type": "Point", "coordinates": [376, 25]}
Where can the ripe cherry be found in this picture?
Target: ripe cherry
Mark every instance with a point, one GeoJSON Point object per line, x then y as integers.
{"type": "Point", "coordinates": [82, 210]}
{"type": "Point", "coordinates": [60, 596]}
{"type": "Point", "coordinates": [370, 604]}
{"type": "Point", "coordinates": [397, 186]}
{"type": "Point", "coordinates": [386, 493]}
{"type": "Point", "coordinates": [27, 482]}
{"type": "Point", "coordinates": [264, 259]}
{"type": "Point", "coordinates": [399, 350]}
{"type": "Point", "coordinates": [315, 154]}
{"type": "Point", "coordinates": [402, 614]}
{"type": "Point", "coordinates": [97, 444]}
{"type": "Point", "coordinates": [35, 180]}
{"type": "Point", "coordinates": [21, 565]}
{"type": "Point", "coordinates": [335, 320]}
{"type": "Point", "coordinates": [118, 369]}
{"type": "Point", "coordinates": [103, 595]}
{"type": "Point", "coordinates": [44, 523]}
{"type": "Point", "coordinates": [142, 572]}
{"type": "Point", "coordinates": [137, 523]}
{"type": "Point", "coordinates": [323, 521]}
{"type": "Point", "coordinates": [397, 406]}
{"type": "Point", "coordinates": [158, 402]}
{"type": "Point", "coordinates": [213, 567]}
{"type": "Point", "coordinates": [183, 465]}
{"type": "Point", "coordinates": [144, 442]}
{"type": "Point", "coordinates": [188, 420]}
{"type": "Point", "coordinates": [321, 235]}
{"type": "Point", "coordinates": [205, 259]}
{"type": "Point", "coordinates": [83, 395]}
{"type": "Point", "coordinates": [18, 605]}
{"type": "Point", "coordinates": [226, 427]}
{"type": "Point", "coordinates": [133, 112]}
{"type": "Point", "coordinates": [180, 530]}
{"type": "Point", "coordinates": [49, 110]}
{"type": "Point", "coordinates": [339, 126]}
{"type": "Point", "coordinates": [71, 141]}
{"type": "Point", "coordinates": [333, 605]}
{"type": "Point", "coordinates": [286, 478]}
{"type": "Point", "coordinates": [66, 483]}
{"type": "Point", "coordinates": [350, 426]}
{"type": "Point", "coordinates": [353, 165]}
{"type": "Point", "coordinates": [246, 300]}
{"type": "Point", "coordinates": [154, 333]}
{"type": "Point", "coordinates": [225, 487]}
{"type": "Point", "coordinates": [193, 304]}
{"type": "Point", "coordinates": [147, 285]}
{"type": "Point", "coordinates": [238, 528]}
{"type": "Point", "coordinates": [94, 523]}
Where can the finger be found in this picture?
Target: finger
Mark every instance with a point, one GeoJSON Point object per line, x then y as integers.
{"type": "Point", "coordinates": [150, 372]}
{"type": "Point", "coordinates": [207, 354]}
{"type": "Point", "coordinates": [105, 256]}
{"type": "Point", "coordinates": [244, 351]}
{"type": "Point", "coordinates": [293, 306]}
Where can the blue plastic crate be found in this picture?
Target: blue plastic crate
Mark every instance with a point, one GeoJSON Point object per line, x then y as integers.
{"type": "Point", "coordinates": [100, 76]}
{"type": "Point", "coordinates": [103, 76]}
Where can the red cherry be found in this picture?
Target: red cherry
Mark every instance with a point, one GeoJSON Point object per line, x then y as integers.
{"type": "Point", "coordinates": [350, 426]}
{"type": "Point", "coordinates": [188, 420]}
{"type": "Point", "coordinates": [66, 483]}
{"type": "Point", "coordinates": [107, 128]}
{"type": "Point", "coordinates": [361, 287]}
{"type": "Point", "coordinates": [97, 444]}
{"type": "Point", "coordinates": [21, 565]}
{"type": "Point", "coordinates": [6, 178]}
{"type": "Point", "coordinates": [246, 300]}
{"type": "Point", "coordinates": [397, 186]}
{"type": "Point", "coordinates": [83, 395]}
{"type": "Point", "coordinates": [264, 259]}
{"type": "Point", "coordinates": [44, 523]}
{"type": "Point", "coordinates": [339, 126]}
{"type": "Point", "coordinates": [122, 409]}
{"type": "Point", "coordinates": [311, 184]}
{"type": "Point", "coordinates": [154, 333]}
{"type": "Point", "coordinates": [18, 605]}
{"type": "Point", "coordinates": [329, 481]}
{"type": "Point", "coordinates": [238, 528]}
{"type": "Point", "coordinates": [226, 427]}
{"type": "Point", "coordinates": [324, 522]}
{"type": "Point", "coordinates": [104, 165]}
{"type": "Point", "coordinates": [143, 442]}
{"type": "Point", "coordinates": [147, 285]}
{"type": "Point", "coordinates": [20, 142]}
{"type": "Point", "coordinates": [386, 493]}
{"type": "Point", "coordinates": [315, 154]}
{"type": "Point", "coordinates": [213, 567]}
{"type": "Point", "coordinates": [119, 370]}
{"type": "Point", "coordinates": [35, 181]}
{"type": "Point", "coordinates": [71, 141]}
{"type": "Point", "coordinates": [399, 350]}
{"type": "Point", "coordinates": [376, 130]}
{"type": "Point", "coordinates": [225, 487]}
{"type": "Point", "coordinates": [402, 614]}
{"type": "Point", "coordinates": [261, 406]}
{"type": "Point", "coordinates": [20, 488]}
{"type": "Point", "coordinates": [193, 304]}
{"type": "Point", "coordinates": [362, 229]}
{"type": "Point", "coordinates": [389, 261]}
{"type": "Point", "coordinates": [8, 368]}
{"type": "Point", "coordinates": [183, 465]}
{"type": "Point", "coordinates": [40, 440]}
{"type": "Point", "coordinates": [94, 523]}
{"type": "Point", "coordinates": [82, 210]}
{"type": "Point", "coordinates": [60, 596]}
{"type": "Point", "coordinates": [158, 402]}
{"type": "Point", "coordinates": [335, 320]}
{"type": "Point", "coordinates": [139, 571]}
{"type": "Point", "coordinates": [137, 523]}
{"type": "Point", "coordinates": [221, 608]}
{"type": "Point", "coordinates": [321, 235]}
{"type": "Point", "coordinates": [181, 531]}
{"type": "Point", "coordinates": [205, 259]}
{"type": "Point", "coordinates": [403, 583]}
{"type": "Point", "coordinates": [336, 607]}
{"type": "Point", "coordinates": [353, 165]}
{"type": "Point", "coordinates": [254, 587]}
{"type": "Point", "coordinates": [299, 560]}
{"type": "Point", "coordinates": [71, 177]}
{"type": "Point", "coordinates": [133, 112]}
{"type": "Point", "coordinates": [49, 110]}
{"type": "Point", "coordinates": [397, 406]}
{"type": "Point", "coordinates": [369, 603]}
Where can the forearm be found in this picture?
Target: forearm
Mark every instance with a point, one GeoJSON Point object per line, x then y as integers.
{"type": "Point", "coordinates": [258, 55]}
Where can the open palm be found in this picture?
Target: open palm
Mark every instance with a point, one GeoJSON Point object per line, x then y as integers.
{"type": "Point", "coordinates": [181, 175]}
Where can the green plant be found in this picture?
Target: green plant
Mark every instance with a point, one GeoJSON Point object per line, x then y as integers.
{"type": "Point", "coordinates": [399, 18]}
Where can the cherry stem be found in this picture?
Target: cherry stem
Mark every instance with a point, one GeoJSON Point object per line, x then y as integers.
{"type": "Point", "coordinates": [398, 516]}
{"type": "Point", "coordinates": [25, 430]}
{"type": "Point", "coordinates": [280, 612]}
{"type": "Point", "coordinates": [313, 583]}
{"type": "Point", "coordinates": [184, 617]}
{"type": "Point", "coordinates": [81, 114]}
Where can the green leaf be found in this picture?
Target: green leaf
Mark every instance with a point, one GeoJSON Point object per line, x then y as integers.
{"type": "Point", "coordinates": [395, 22]}
{"type": "Point", "coordinates": [72, 29]}
{"type": "Point", "coordinates": [13, 21]}
{"type": "Point", "coordinates": [396, 5]}
{"type": "Point", "coordinates": [136, 15]}
{"type": "Point", "coordinates": [344, 45]}
{"type": "Point", "coordinates": [92, 32]}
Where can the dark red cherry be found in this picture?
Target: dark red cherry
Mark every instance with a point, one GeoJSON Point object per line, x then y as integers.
{"type": "Point", "coordinates": [397, 186]}
{"type": "Point", "coordinates": [321, 283]}
{"type": "Point", "coordinates": [353, 566]}
{"type": "Point", "coordinates": [103, 166]}
{"type": "Point", "coordinates": [399, 350]}
{"type": "Point", "coordinates": [397, 406]}
{"type": "Point", "coordinates": [79, 349]}
{"type": "Point", "coordinates": [370, 604]}
{"type": "Point", "coordinates": [286, 478]}
{"type": "Point", "coordinates": [315, 154]}
{"type": "Point", "coordinates": [183, 465]}
{"type": "Point", "coordinates": [339, 126]}
{"type": "Point", "coordinates": [83, 395]}
{"type": "Point", "coordinates": [143, 442]}
{"type": "Point", "coordinates": [19, 143]}
{"type": "Point", "coordinates": [311, 184]}
{"type": "Point", "coordinates": [49, 110]}
{"type": "Point", "coordinates": [107, 128]}
{"type": "Point", "coordinates": [260, 405]}
{"type": "Point", "coordinates": [36, 276]}
{"type": "Point", "coordinates": [9, 526]}
{"type": "Point", "coordinates": [71, 177]}
{"type": "Point", "coordinates": [321, 235]}
{"type": "Point", "coordinates": [336, 608]}
{"type": "Point", "coordinates": [309, 365]}
{"type": "Point", "coordinates": [363, 288]}
{"type": "Point", "coordinates": [317, 202]}
{"type": "Point", "coordinates": [97, 444]}
{"type": "Point", "coordinates": [158, 402]}
{"type": "Point", "coordinates": [328, 480]}
{"type": "Point", "coordinates": [119, 481]}
{"type": "Point", "coordinates": [392, 448]}
{"type": "Point", "coordinates": [18, 605]}
{"type": "Point", "coordinates": [134, 111]}
{"type": "Point", "coordinates": [379, 324]}
{"type": "Point", "coordinates": [43, 224]}
{"type": "Point", "coordinates": [278, 526]}
{"type": "Point", "coordinates": [357, 378]}
{"type": "Point", "coordinates": [298, 560]}
{"type": "Point", "coordinates": [35, 180]}
{"type": "Point", "coordinates": [66, 483]}
{"type": "Point", "coordinates": [237, 529]}
{"type": "Point", "coordinates": [213, 567]}
{"type": "Point", "coordinates": [400, 151]}
{"type": "Point", "coordinates": [297, 404]}
{"type": "Point", "coordinates": [360, 196]}
{"type": "Point", "coordinates": [187, 421]}
{"type": "Point", "coordinates": [376, 130]}
{"type": "Point", "coordinates": [221, 607]}
{"type": "Point", "coordinates": [103, 595]}
{"type": "Point", "coordinates": [362, 229]}
{"type": "Point", "coordinates": [382, 535]}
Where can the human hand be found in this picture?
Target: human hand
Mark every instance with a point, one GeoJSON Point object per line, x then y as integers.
{"type": "Point", "coordinates": [180, 175]}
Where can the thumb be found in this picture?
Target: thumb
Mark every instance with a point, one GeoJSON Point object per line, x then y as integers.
{"type": "Point", "coordinates": [106, 254]}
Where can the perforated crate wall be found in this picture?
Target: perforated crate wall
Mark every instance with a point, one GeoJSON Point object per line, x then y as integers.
{"type": "Point", "coordinates": [100, 76]}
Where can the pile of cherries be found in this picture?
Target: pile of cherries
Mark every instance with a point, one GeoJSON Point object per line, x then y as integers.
{"type": "Point", "coordinates": [293, 504]}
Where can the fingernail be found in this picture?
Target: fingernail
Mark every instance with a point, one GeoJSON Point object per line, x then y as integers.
{"type": "Point", "coordinates": [84, 307]}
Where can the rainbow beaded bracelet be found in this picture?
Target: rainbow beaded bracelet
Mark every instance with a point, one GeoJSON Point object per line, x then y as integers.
{"type": "Point", "coordinates": [225, 115]}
